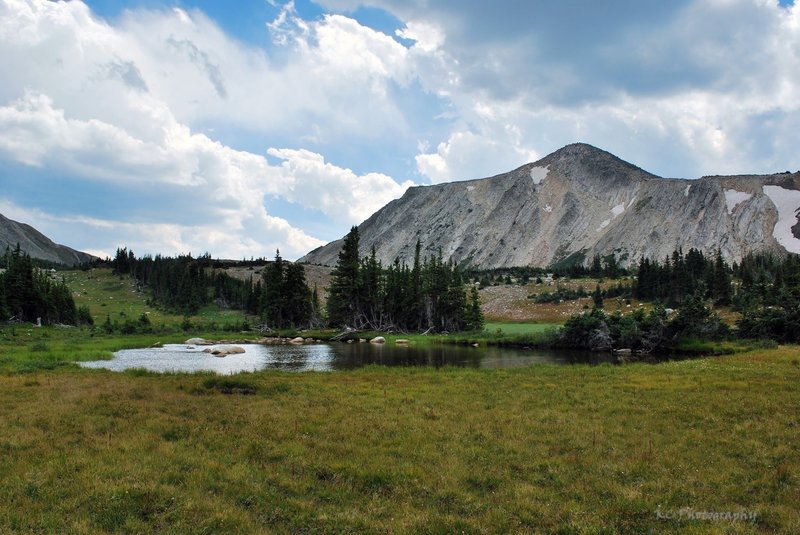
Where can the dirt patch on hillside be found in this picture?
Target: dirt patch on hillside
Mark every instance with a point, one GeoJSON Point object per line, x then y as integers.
{"type": "Point", "coordinates": [512, 302]}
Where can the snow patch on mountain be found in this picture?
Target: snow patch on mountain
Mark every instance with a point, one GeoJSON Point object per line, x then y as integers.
{"type": "Point", "coordinates": [787, 201]}
{"type": "Point", "coordinates": [538, 174]}
{"type": "Point", "coordinates": [733, 197]}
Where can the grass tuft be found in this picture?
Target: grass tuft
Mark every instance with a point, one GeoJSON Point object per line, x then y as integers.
{"type": "Point", "coordinates": [226, 385]}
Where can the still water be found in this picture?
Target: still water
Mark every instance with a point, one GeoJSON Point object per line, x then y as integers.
{"type": "Point", "coordinates": [330, 357]}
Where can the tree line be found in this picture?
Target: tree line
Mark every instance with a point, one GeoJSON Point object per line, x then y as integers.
{"type": "Point", "coordinates": [680, 277]}
{"type": "Point", "coordinates": [183, 284]}
{"type": "Point", "coordinates": [28, 293]}
{"type": "Point", "coordinates": [428, 295]}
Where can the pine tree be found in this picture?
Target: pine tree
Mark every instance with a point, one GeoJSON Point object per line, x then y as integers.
{"type": "Point", "coordinates": [474, 316]}
{"type": "Point", "coordinates": [597, 297]}
{"type": "Point", "coordinates": [274, 298]}
{"type": "Point", "coordinates": [370, 292]}
{"type": "Point", "coordinates": [343, 304]}
{"type": "Point", "coordinates": [414, 299]}
{"type": "Point", "coordinates": [297, 297]}
{"type": "Point", "coordinates": [721, 290]}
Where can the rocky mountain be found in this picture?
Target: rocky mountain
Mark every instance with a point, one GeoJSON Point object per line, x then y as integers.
{"type": "Point", "coordinates": [578, 202]}
{"type": "Point", "coordinates": [37, 245]}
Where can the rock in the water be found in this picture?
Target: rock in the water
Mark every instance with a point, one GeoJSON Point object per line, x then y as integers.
{"type": "Point", "coordinates": [378, 340]}
{"type": "Point", "coordinates": [401, 342]}
{"type": "Point", "coordinates": [224, 351]}
{"type": "Point", "coordinates": [298, 340]}
{"type": "Point", "coordinates": [195, 341]}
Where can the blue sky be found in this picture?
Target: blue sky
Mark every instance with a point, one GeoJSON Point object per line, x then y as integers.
{"type": "Point", "coordinates": [239, 128]}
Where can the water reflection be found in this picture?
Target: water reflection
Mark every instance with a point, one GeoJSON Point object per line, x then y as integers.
{"type": "Point", "coordinates": [330, 357]}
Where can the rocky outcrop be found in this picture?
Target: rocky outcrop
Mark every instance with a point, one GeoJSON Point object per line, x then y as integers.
{"type": "Point", "coordinates": [224, 351]}
{"type": "Point", "coordinates": [578, 202]}
{"type": "Point", "coordinates": [37, 245]}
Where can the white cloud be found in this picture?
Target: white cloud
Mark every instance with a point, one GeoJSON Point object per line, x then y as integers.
{"type": "Point", "coordinates": [428, 37]}
{"type": "Point", "coordinates": [226, 185]}
{"type": "Point", "coordinates": [681, 88]}
{"type": "Point", "coordinates": [467, 155]}
{"type": "Point", "coordinates": [338, 192]}
{"type": "Point", "coordinates": [114, 105]}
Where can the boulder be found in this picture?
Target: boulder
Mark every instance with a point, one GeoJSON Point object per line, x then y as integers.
{"type": "Point", "coordinates": [402, 342]}
{"type": "Point", "coordinates": [378, 340]}
{"type": "Point", "coordinates": [298, 340]}
{"type": "Point", "coordinates": [224, 351]}
{"type": "Point", "coordinates": [196, 341]}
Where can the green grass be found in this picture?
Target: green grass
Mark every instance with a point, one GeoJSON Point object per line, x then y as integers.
{"type": "Point", "coordinates": [570, 449]}
{"type": "Point", "coordinates": [518, 328]}
{"type": "Point", "coordinates": [109, 295]}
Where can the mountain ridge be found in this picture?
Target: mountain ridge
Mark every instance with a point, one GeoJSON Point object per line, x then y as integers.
{"type": "Point", "coordinates": [37, 245]}
{"type": "Point", "coordinates": [577, 202]}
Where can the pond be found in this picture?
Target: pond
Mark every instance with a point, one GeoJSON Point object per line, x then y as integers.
{"type": "Point", "coordinates": [330, 357]}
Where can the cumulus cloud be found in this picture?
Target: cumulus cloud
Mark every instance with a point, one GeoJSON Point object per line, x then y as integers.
{"type": "Point", "coordinates": [227, 185]}
{"type": "Point", "coordinates": [339, 192]}
{"type": "Point", "coordinates": [111, 105]}
{"type": "Point", "coordinates": [467, 155]}
{"type": "Point", "coordinates": [682, 88]}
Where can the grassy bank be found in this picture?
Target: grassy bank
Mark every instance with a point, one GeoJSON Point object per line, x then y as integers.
{"type": "Point", "coordinates": [25, 348]}
{"type": "Point", "coordinates": [576, 449]}
{"type": "Point", "coordinates": [118, 299]}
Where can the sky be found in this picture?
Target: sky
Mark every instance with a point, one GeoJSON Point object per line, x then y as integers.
{"type": "Point", "coordinates": [240, 128]}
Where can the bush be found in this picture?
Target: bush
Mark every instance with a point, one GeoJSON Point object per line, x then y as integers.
{"type": "Point", "coordinates": [226, 385]}
{"type": "Point", "coordinates": [694, 319]}
{"type": "Point", "coordinates": [598, 331]}
{"type": "Point", "coordinates": [84, 317]}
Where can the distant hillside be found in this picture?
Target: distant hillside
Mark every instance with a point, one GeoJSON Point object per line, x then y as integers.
{"type": "Point", "coordinates": [37, 245]}
{"type": "Point", "coordinates": [578, 202]}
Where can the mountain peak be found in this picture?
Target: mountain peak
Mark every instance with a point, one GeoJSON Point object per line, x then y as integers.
{"type": "Point", "coordinates": [583, 161]}
{"type": "Point", "coordinates": [575, 203]}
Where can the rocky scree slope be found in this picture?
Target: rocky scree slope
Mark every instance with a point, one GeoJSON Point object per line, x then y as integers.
{"type": "Point", "coordinates": [578, 202]}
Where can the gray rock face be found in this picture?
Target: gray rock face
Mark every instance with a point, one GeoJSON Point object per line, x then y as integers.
{"type": "Point", "coordinates": [37, 245]}
{"type": "Point", "coordinates": [577, 202]}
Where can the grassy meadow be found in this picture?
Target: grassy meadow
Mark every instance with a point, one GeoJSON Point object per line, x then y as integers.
{"type": "Point", "coordinates": [115, 297]}
{"type": "Point", "coordinates": [561, 449]}
{"type": "Point", "coordinates": [568, 449]}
